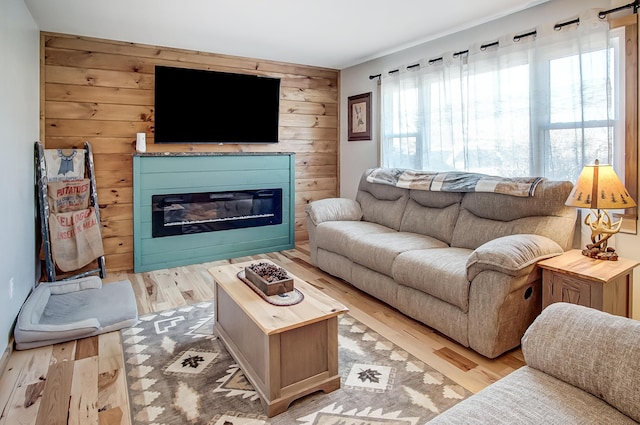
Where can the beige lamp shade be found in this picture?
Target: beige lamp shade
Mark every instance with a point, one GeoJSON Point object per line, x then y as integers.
{"type": "Point", "coordinates": [598, 187]}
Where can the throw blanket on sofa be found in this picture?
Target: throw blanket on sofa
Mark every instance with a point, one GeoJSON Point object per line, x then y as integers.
{"type": "Point", "coordinates": [454, 181]}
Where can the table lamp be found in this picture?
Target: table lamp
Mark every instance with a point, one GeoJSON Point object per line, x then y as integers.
{"type": "Point", "coordinates": [599, 189]}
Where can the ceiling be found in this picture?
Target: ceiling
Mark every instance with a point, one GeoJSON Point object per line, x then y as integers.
{"type": "Point", "coordinates": [328, 33]}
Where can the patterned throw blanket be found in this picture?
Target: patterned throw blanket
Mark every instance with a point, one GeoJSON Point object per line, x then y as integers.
{"type": "Point", "coordinates": [454, 181]}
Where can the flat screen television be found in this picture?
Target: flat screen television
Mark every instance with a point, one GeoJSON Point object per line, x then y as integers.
{"type": "Point", "coordinates": [199, 106]}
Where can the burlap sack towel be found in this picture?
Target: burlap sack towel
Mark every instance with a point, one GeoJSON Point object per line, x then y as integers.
{"type": "Point", "coordinates": [66, 196]}
{"type": "Point", "coordinates": [64, 164]}
{"type": "Point", "coordinates": [75, 238]}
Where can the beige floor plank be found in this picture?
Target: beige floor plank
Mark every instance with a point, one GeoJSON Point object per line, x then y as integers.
{"type": "Point", "coordinates": [150, 285]}
{"type": "Point", "coordinates": [110, 352]}
{"type": "Point", "coordinates": [111, 416]}
{"type": "Point", "coordinates": [207, 279]}
{"type": "Point", "coordinates": [87, 347]}
{"type": "Point", "coordinates": [202, 291]}
{"type": "Point", "coordinates": [54, 406]}
{"type": "Point", "coordinates": [168, 289]}
{"type": "Point", "coordinates": [143, 301]}
{"type": "Point", "coordinates": [166, 305]}
{"type": "Point", "coordinates": [25, 403]}
{"type": "Point", "coordinates": [83, 405]}
{"type": "Point", "coordinates": [112, 394]}
{"type": "Point", "coordinates": [185, 284]}
{"type": "Point", "coordinates": [9, 381]}
{"type": "Point", "coordinates": [63, 352]}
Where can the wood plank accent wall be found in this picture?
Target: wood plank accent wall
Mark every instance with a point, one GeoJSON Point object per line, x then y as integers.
{"type": "Point", "coordinates": [102, 91]}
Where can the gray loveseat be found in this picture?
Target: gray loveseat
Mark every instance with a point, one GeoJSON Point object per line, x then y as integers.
{"type": "Point", "coordinates": [462, 263]}
{"type": "Point", "coordinates": [583, 367]}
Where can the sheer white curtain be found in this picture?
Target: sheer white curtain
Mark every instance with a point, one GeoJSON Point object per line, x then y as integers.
{"type": "Point", "coordinates": [535, 106]}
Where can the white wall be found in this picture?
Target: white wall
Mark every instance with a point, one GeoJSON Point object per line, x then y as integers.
{"type": "Point", "coordinates": [19, 128]}
{"type": "Point", "coordinates": [356, 157]}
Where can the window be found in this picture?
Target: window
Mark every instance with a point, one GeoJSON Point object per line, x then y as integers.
{"type": "Point", "coordinates": [538, 106]}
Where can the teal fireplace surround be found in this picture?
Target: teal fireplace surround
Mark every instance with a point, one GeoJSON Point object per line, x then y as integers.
{"type": "Point", "coordinates": [173, 173]}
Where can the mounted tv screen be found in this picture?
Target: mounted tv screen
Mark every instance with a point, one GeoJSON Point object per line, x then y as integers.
{"type": "Point", "coordinates": [198, 106]}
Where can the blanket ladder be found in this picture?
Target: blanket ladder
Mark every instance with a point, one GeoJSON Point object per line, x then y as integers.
{"type": "Point", "coordinates": [43, 212]}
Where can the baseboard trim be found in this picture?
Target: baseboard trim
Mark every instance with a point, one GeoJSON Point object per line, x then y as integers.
{"type": "Point", "coordinates": [5, 357]}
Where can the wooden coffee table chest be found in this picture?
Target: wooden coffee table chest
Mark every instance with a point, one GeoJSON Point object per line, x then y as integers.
{"type": "Point", "coordinates": [286, 352]}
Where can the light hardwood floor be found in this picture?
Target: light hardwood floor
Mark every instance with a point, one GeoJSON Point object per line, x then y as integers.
{"type": "Point", "coordinates": [83, 382]}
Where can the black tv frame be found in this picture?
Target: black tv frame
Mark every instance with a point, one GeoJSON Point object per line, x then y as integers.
{"type": "Point", "coordinates": [203, 106]}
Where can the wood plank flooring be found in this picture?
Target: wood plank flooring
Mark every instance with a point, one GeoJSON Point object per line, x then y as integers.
{"type": "Point", "coordinates": [83, 382]}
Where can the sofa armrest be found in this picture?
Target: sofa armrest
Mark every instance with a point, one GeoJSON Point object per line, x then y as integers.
{"type": "Point", "coordinates": [333, 209]}
{"type": "Point", "coordinates": [589, 349]}
{"type": "Point", "coordinates": [511, 254]}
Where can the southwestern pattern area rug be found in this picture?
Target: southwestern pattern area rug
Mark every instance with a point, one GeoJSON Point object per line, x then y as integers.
{"type": "Point", "coordinates": [178, 372]}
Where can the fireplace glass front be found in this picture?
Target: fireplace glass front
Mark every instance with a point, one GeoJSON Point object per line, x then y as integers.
{"type": "Point", "coordinates": [187, 213]}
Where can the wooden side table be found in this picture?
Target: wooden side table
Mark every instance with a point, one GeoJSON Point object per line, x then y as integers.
{"type": "Point", "coordinates": [577, 279]}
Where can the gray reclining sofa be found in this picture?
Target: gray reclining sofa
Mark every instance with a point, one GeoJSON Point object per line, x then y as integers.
{"type": "Point", "coordinates": [462, 263]}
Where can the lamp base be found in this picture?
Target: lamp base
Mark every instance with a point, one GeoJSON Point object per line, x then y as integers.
{"type": "Point", "coordinates": [601, 230]}
{"type": "Point", "coordinates": [599, 254]}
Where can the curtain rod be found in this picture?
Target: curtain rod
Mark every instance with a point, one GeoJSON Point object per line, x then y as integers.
{"type": "Point", "coordinates": [635, 5]}
{"type": "Point", "coordinates": [558, 27]}
{"type": "Point", "coordinates": [518, 37]}
{"type": "Point", "coordinates": [463, 52]}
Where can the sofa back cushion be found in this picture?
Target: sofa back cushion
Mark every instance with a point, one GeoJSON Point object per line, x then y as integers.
{"type": "Point", "coordinates": [486, 216]}
{"type": "Point", "coordinates": [594, 351]}
{"type": "Point", "coordinates": [381, 203]}
{"type": "Point", "coordinates": [431, 214]}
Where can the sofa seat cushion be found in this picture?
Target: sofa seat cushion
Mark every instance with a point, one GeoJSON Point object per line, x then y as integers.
{"type": "Point", "coordinates": [337, 236]}
{"type": "Point", "coordinates": [529, 396]}
{"type": "Point", "coordinates": [441, 273]}
{"type": "Point", "coordinates": [377, 251]}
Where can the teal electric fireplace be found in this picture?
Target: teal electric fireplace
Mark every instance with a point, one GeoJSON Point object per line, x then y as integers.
{"type": "Point", "coordinates": [193, 208]}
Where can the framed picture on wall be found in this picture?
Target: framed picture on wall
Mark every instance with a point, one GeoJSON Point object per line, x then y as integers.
{"type": "Point", "coordinates": [359, 117]}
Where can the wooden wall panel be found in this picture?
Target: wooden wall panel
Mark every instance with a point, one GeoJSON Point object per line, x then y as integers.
{"type": "Point", "coordinates": [102, 91]}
